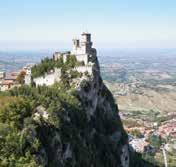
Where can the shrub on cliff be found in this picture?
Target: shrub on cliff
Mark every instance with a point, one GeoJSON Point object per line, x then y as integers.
{"type": "Point", "coordinates": [45, 66]}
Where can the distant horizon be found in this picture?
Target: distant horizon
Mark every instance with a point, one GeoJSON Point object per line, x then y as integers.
{"type": "Point", "coordinates": [98, 49]}
{"type": "Point", "coordinates": [52, 45]}
{"type": "Point", "coordinates": [42, 24]}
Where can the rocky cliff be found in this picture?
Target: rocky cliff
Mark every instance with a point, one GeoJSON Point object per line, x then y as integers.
{"type": "Point", "coordinates": [73, 123]}
{"type": "Point", "coordinates": [93, 136]}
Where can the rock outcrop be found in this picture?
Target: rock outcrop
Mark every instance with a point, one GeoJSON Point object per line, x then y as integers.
{"type": "Point", "coordinates": [73, 123]}
{"type": "Point", "coordinates": [100, 140]}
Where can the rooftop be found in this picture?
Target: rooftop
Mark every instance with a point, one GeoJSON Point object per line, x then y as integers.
{"type": "Point", "coordinates": [7, 82]}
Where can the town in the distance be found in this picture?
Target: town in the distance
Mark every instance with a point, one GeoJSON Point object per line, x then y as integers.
{"type": "Point", "coordinates": [144, 88]}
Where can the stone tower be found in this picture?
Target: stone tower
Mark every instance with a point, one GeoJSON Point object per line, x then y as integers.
{"type": "Point", "coordinates": [86, 43]}
{"type": "Point", "coordinates": [83, 49]}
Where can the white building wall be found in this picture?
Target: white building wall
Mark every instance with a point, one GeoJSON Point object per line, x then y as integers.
{"type": "Point", "coordinates": [83, 58]}
{"type": "Point", "coordinates": [83, 69]}
{"type": "Point", "coordinates": [44, 80]}
{"type": "Point", "coordinates": [78, 50]}
{"type": "Point", "coordinates": [48, 79]}
{"type": "Point", "coordinates": [2, 75]}
{"type": "Point", "coordinates": [28, 71]}
{"type": "Point", "coordinates": [27, 79]}
{"type": "Point", "coordinates": [82, 49]}
{"type": "Point", "coordinates": [4, 87]}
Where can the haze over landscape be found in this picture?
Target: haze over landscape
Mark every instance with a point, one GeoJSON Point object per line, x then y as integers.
{"type": "Point", "coordinates": [114, 24]}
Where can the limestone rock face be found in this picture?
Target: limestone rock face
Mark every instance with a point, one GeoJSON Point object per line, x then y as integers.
{"type": "Point", "coordinates": [97, 140]}
{"type": "Point", "coordinates": [101, 109]}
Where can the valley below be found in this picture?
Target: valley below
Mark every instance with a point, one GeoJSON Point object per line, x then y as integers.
{"type": "Point", "coordinates": [144, 87]}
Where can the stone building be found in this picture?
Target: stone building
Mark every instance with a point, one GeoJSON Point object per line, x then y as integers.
{"type": "Point", "coordinates": [58, 55]}
{"type": "Point", "coordinates": [9, 81]}
{"type": "Point", "coordinates": [2, 75]}
{"type": "Point", "coordinates": [27, 78]}
{"type": "Point", "coordinates": [82, 49]}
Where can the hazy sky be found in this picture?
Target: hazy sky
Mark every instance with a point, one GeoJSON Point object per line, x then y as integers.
{"type": "Point", "coordinates": [31, 24]}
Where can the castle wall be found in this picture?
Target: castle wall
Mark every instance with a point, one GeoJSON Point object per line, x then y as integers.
{"type": "Point", "coordinates": [27, 79]}
{"type": "Point", "coordinates": [48, 79]}
{"type": "Point", "coordinates": [78, 50]}
{"type": "Point", "coordinates": [44, 80]}
{"type": "Point", "coordinates": [84, 69]}
{"type": "Point", "coordinates": [82, 57]}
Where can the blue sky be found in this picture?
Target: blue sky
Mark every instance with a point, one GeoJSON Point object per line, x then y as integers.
{"type": "Point", "coordinates": [51, 24]}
